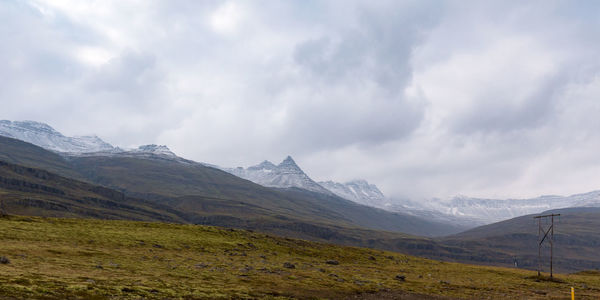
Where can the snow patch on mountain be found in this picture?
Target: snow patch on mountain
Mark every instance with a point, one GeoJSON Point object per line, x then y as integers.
{"type": "Point", "coordinates": [43, 135]}
{"type": "Point", "coordinates": [160, 150]}
{"type": "Point", "coordinates": [359, 191]}
{"type": "Point", "coordinates": [285, 175]}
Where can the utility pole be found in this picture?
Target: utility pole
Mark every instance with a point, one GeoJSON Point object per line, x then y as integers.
{"type": "Point", "coordinates": [541, 239]}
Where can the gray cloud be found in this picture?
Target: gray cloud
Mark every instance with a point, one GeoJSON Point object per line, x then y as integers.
{"type": "Point", "coordinates": [422, 98]}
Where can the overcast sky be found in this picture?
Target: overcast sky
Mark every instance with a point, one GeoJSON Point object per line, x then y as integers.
{"type": "Point", "coordinates": [423, 98]}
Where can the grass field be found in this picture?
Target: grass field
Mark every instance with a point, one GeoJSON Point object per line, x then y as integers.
{"type": "Point", "coordinates": [81, 258]}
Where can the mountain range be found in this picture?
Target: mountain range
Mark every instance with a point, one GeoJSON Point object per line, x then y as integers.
{"type": "Point", "coordinates": [211, 196]}
{"type": "Point", "coordinates": [152, 183]}
{"type": "Point", "coordinates": [462, 210]}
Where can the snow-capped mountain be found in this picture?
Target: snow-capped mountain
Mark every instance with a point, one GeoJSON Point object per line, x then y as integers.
{"type": "Point", "coordinates": [43, 135]}
{"type": "Point", "coordinates": [285, 175]}
{"type": "Point", "coordinates": [359, 191]}
{"type": "Point", "coordinates": [485, 211]}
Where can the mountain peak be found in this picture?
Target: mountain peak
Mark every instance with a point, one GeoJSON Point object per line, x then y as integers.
{"type": "Point", "coordinates": [289, 161]}
{"type": "Point", "coordinates": [156, 149]}
{"type": "Point", "coordinates": [285, 175]}
{"type": "Point", "coordinates": [43, 135]}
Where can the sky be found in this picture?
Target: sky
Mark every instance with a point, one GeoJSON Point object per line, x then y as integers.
{"type": "Point", "coordinates": [425, 99]}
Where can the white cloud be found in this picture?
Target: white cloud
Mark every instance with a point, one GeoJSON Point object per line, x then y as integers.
{"type": "Point", "coordinates": [422, 98]}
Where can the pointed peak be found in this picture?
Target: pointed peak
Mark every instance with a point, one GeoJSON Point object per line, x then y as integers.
{"type": "Point", "coordinates": [288, 161]}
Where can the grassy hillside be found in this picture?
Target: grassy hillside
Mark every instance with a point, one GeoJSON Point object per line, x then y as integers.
{"type": "Point", "coordinates": [29, 191]}
{"type": "Point", "coordinates": [77, 258]}
{"type": "Point", "coordinates": [577, 240]}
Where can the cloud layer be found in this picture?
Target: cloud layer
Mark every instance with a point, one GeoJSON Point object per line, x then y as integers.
{"type": "Point", "coordinates": [425, 99]}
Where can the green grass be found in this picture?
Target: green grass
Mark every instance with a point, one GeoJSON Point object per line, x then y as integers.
{"type": "Point", "coordinates": [78, 258]}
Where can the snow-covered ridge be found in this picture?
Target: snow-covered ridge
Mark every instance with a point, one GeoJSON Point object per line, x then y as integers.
{"type": "Point", "coordinates": [486, 211]}
{"type": "Point", "coordinates": [285, 175]}
{"type": "Point", "coordinates": [359, 191]}
{"type": "Point", "coordinates": [161, 150]}
{"type": "Point", "coordinates": [42, 135]}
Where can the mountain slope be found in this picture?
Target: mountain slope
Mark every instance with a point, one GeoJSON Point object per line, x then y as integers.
{"type": "Point", "coordinates": [25, 154]}
{"type": "Point", "coordinates": [190, 186]}
{"type": "Point", "coordinates": [30, 191]}
{"type": "Point", "coordinates": [359, 191]}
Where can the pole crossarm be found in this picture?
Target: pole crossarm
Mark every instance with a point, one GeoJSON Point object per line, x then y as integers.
{"type": "Point", "coordinates": [545, 216]}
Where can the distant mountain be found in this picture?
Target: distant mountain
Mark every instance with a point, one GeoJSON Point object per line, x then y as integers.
{"type": "Point", "coordinates": [486, 211]}
{"type": "Point", "coordinates": [359, 191]}
{"type": "Point", "coordinates": [43, 135]}
{"type": "Point", "coordinates": [285, 175]}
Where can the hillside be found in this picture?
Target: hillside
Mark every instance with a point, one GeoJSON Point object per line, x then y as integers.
{"type": "Point", "coordinates": [77, 258]}
{"type": "Point", "coordinates": [576, 234]}
{"type": "Point", "coordinates": [29, 191]}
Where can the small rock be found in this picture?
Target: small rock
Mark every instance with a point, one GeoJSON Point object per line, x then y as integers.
{"type": "Point", "coordinates": [360, 282]}
{"type": "Point", "coordinates": [332, 262]}
{"type": "Point", "coordinates": [157, 246]}
{"type": "Point", "coordinates": [263, 256]}
{"type": "Point", "coordinates": [289, 265]}
{"type": "Point", "coordinates": [401, 277]}
{"type": "Point", "coordinates": [201, 265]}
{"type": "Point", "coordinates": [372, 258]}
{"type": "Point", "coordinates": [4, 260]}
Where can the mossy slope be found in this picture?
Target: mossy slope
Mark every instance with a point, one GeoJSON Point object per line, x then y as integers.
{"type": "Point", "coordinates": [59, 258]}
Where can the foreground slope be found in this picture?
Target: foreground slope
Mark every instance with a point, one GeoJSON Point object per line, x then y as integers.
{"type": "Point", "coordinates": [76, 258]}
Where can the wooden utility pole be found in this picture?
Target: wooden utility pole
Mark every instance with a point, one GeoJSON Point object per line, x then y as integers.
{"type": "Point", "coordinates": [541, 239]}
